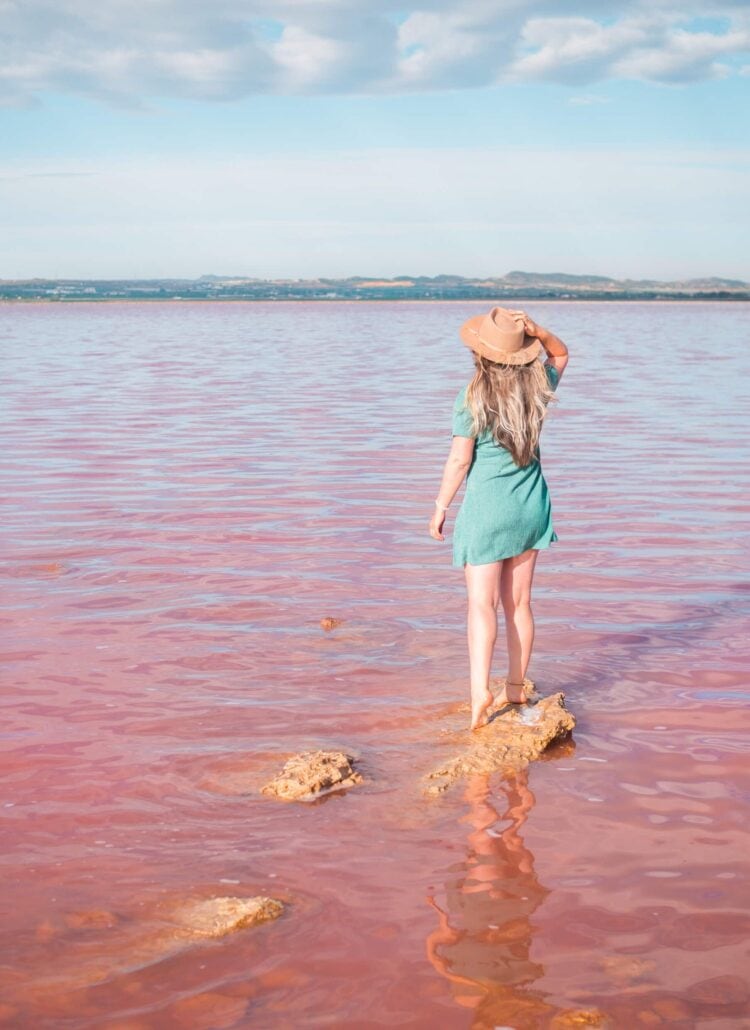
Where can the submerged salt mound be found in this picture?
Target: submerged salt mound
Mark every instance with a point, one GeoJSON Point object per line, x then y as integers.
{"type": "Point", "coordinates": [513, 736]}
{"type": "Point", "coordinates": [94, 947]}
{"type": "Point", "coordinates": [311, 774]}
{"type": "Point", "coordinates": [216, 917]}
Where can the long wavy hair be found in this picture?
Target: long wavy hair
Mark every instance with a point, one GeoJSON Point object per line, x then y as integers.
{"type": "Point", "coordinates": [511, 402]}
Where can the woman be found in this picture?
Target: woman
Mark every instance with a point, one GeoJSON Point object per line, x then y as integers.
{"type": "Point", "coordinates": [505, 518]}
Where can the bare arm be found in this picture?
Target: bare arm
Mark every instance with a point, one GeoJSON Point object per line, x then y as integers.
{"type": "Point", "coordinates": [557, 352]}
{"type": "Point", "coordinates": [457, 465]}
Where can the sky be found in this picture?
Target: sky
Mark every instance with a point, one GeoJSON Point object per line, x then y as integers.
{"type": "Point", "coordinates": [305, 138]}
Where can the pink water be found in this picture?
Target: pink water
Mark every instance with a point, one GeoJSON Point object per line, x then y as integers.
{"type": "Point", "coordinates": [188, 489]}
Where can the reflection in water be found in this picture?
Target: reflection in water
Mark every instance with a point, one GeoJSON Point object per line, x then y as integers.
{"type": "Point", "coordinates": [483, 941]}
{"type": "Point", "coordinates": [189, 488]}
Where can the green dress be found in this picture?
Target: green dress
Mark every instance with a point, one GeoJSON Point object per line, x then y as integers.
{"type": "Point", "coordinates": [506, 509]}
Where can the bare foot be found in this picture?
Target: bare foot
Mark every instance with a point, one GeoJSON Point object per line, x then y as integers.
{"type": "Point", "coordinates": [479, 707]}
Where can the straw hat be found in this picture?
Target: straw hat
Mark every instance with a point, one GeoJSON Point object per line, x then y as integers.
{"type": "Point", "coordinates": [500, 336]}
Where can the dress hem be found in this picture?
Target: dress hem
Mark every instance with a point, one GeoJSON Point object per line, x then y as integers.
{"type": "Point", "coordinates": [535, 547]}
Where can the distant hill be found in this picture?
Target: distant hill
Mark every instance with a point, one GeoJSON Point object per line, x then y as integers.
{"type": "Point", "coordinates": [515, 285]}
{"type": "Point", "coordinates": [555, 277]}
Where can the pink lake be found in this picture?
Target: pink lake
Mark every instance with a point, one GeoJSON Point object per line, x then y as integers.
{"type": "Point", "coordinates": [188, 488]}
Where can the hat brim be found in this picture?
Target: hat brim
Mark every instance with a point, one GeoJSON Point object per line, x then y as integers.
{"type": "Point", "coordinates": [469, 333]}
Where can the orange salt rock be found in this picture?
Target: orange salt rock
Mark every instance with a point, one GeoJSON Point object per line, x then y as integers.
{"type": "Point", "coordinates": [165, 930]}
{"type": "Point", "coordinates": [311, 774]}
{"type": "Point", "coordinates": [513, 736]}
{"type": "Point", "coordinates": [216, 917]}
{"type": "Point", "coordinates": [579, 1017]}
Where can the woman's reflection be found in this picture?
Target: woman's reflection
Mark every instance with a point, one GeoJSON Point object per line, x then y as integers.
{"type": "Point", "coordinates": [483, 941]}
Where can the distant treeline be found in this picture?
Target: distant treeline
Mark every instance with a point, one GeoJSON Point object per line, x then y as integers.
{"type": "Point", "coordinates": [515, 286]}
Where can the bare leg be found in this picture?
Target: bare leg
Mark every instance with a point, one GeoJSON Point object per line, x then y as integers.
{"type": "Point", "coordinates": [515, 591]}
{"type": "Point", "coordinates": [483, 590]}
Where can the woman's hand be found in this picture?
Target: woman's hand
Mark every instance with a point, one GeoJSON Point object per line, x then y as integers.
{"type": "Point", "coordinates": [436, 525]}
{"type": "Point", "coordinates": [529, 325]}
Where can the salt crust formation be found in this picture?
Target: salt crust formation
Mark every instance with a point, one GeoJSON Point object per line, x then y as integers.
{"type": "Point", "coordinates": [158, 932]}
{"type": "Point", "coordinates": [216, 917]}
{"type": "Point", "coordinates": [313, 773]}
{"type": "Point", "coordinates": [513, 736]}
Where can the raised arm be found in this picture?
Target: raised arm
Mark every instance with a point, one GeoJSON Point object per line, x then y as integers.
{"type": "Point", "coordinates": [557, 352]}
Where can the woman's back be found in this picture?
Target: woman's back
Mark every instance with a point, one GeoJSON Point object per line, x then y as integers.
{"type": "Point", "coordinates": [506, 507]}
{"type": "Point", "coordinates": [486, 446]}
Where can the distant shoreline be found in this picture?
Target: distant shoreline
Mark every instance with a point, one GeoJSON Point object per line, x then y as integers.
{"type": "Point", "coordinates": [676, 299]}
{"type": "Point", "coordinates": [512, 288]}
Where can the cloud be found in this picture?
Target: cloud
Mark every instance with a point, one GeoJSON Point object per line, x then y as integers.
{"type": "Point", "coordinates": [229, 49]}
{"type": "Point", "coordinates": [580, 49]}
{"type": "Point", "coordinates": [648, 47]}
{"type": "Point", "coordinates": [685, 57]}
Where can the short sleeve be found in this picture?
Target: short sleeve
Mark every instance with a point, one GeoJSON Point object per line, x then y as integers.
{"type": "Point", "coordinates": [553, 375]}
{"type": "Point", "coordinates": [462, 420]}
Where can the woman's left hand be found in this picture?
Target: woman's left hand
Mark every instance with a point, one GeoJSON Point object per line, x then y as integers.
{"type": "Point", "coordinates": [436, 524]}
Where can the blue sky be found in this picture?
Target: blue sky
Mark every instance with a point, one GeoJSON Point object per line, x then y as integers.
{"type": "Point", "coordinates": [347, 137]}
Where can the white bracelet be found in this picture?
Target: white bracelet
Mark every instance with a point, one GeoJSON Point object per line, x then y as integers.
{"type": "Point", "coordinates": [440, 505]}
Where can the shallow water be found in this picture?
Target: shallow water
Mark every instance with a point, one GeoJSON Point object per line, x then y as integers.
{"type": "Point", "coordinates": [187, 490]}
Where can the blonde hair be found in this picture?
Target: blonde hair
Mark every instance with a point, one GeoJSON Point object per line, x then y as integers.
{"type": "Point", "coordinates": [511, 402]}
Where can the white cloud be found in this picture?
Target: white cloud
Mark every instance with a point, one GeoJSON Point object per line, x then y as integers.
{"type": "Point", "coordinates": [685, 56]}
{"type": "Point", "coordinates": [460, 48]}
{"type": "Point", "coordinates": [332, 55]}
{"type": "Point", "coordinates": [229, 49]}
{"type": "Point", "coordinates": [579, 49]}
{"type": "Point", "coordinates": [305, 58]}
